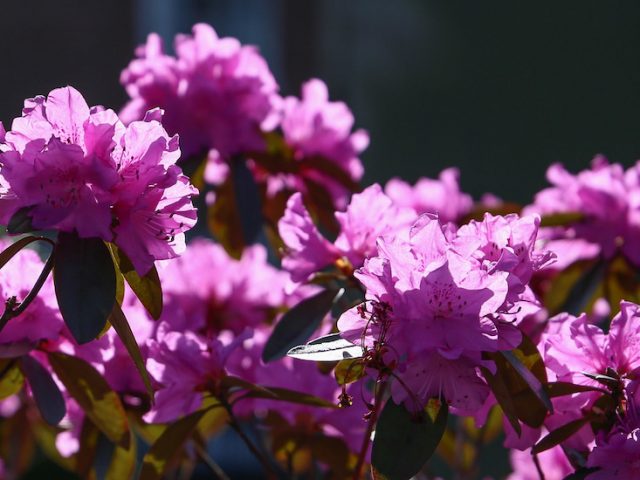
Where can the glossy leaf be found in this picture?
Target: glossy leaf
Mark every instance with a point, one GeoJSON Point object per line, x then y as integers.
{"type": "Point", "coordinates": [20, 222]}
{"type": "Point", "coordinates": [167, 447]}
{"type": "Point", "coordinates": [101, 404]}
{"type": "Point", "coordinates": [299, 323]}
{"type": "Point", "coordinates": [122, 328]}
{"type": "Point", "coordinates": [235, 218]}
{"type": "Point", "coordinates": [560, 434]}
{"type": "Point", "coordinates": [45, 392]}
{"type": "Point", "coordinates": [85, 284]}
{"type": "Point", "coordinates": [329, 348]}
{"type": "Point", "coordinates": [559, 389]}
{"type": "Point", "coordinates": [404, 442]}
{"type": "Point", "coordinates": [147, 288]}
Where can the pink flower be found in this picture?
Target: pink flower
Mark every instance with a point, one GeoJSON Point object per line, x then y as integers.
{"type": "Point", "coordinates": [441, 197]}
{"type": "Point", "coordinates": [370, 215]}
{"type": "Point", "coordinates": [314, 127]}
{"type": "Point", "coordinates": [553, 463]}
{"type": "Point", "coordinates": [80, 169]}
{"type": "Point", "coordinates": [216, 93]}
{"type": "Point", "coordinates": [41, 320]}
{"type": "Point", "coordinates": [609, 200]}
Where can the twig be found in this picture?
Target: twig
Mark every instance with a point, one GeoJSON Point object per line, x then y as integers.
{"type": "Point", "coordinates": [357, 473]}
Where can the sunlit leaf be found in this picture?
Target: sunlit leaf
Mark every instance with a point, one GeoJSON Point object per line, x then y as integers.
{"type": "Point", "coordinates": [349, 371]}
{"type": "Point", "coordinates": [404, 442]}
{"type": "Point", "coordinates": [123, 461]}
{"type": "Point", "coordinates": [11, 378]}
{"type": "Point", "coordinates": [560, 434]}
{"type": "Point", "coordinates": [167, 447]}
{"type": "Point", "coordinates": [622, 282]}
{"type": "Point", "coordinates": [101, 404]}
{"type": "Point", "coordinates": [45, 392]}
{"type": "Point", "coordinates": [299, 323]}
{"type": "Point", "coordinates": [329, 348]}
{"type": "Point", "coordinates": [85, 284]}
{"type": "Point", "coordinates": [147, 288]}
{"type": "Point", "coordinates": [574, 289]}
{"type": "Point", "coordinates": [122, 328]}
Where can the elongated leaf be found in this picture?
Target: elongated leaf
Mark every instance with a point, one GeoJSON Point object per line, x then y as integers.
{"type": "Point", "coordinates": [560, 389]}
{"type": "Point", "coordinates": [404, 442]}
{"type": "Point", "coordinates": [122, 328]}
{"type": "Point", "coordinates": [329, 348]}
{"type": "Point", "coordinates": [622, 283]}
{"type": "Point", "coordinates": [85, 284]}
{"type": "Point", "coordinates": [503, 396]}
{"type": "Point", "coordinates": [101, 404]}
{"type": "Point", "coordinates": [561, 219]}
{"type": "Point", "coordinates": [560, 434]}
{"type": "Point", "coordinates": [168, 445]}
{"type": "Point", "coordinates": [45, 392]}
{"type": "Point", "coordinates": [299, 323]}
{"type": "Point", "coordinates": [235, 218]}
{"type": "Point", "coordinates": [292, 396]}
{"type": "Point", "coordinates": [123, 462]}
{"type": "Point", "coordinates": [20, 222]}
{"type": "Point", "coordinates": [104, 454]}
{"type": "Point", "coordinates": [520, 376]}
{"type": "Point", "coordinates": [575, 288]}
{"type": "Point", "coordinates": [147, 288]}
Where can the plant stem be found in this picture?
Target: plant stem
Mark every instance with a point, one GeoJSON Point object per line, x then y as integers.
{"type": "Point", "coordinates": [210, 462]}
{"type": "Point", "coordinates": [536, 461]}
{"type": "Point", "coordinates": [381, 387]}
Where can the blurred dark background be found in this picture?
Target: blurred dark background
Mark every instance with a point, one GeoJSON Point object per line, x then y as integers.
{"type": "Point", "coordinates": [500, 89]}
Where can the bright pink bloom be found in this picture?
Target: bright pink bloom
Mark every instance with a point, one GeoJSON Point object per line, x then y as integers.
{"type": "Point", "coordinates": [369, 215]}
{"type": "Point", "coordinates": [617, 454]}
{"type": "Point", "coordinates": [553, 463]}
{"type": "Point", "coordinates": [441, 197]}
{"type": "Point", "coordinates": [216, 93]}
{"type": "Point", "coordinates": [41, 320]}
{"type": "Point", "coordinates": [79, 169]}
{"type": "Point", "coordinates": [607, 197]}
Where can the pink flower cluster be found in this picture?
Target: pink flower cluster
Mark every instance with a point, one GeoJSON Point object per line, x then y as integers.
{"type": "Point", "coordinates": [437, 298]}
{"type": "Point", "coordinates": [75, 168]}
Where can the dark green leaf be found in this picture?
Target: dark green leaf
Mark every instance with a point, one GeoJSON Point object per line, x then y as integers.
{"type": "Point", "coordinates": [299, 323]}
{"type": "Point", "coordinates": [104, 453]}
{"type": "Point", "coordinates": [575, 288]}
{"type": "Point", "coordinates": [622, 282]}
{"type": "Point", "coordinates": [235, 218]}
{"type": "Point", "coordinates": [20, 222]}
{"type": "Point", "coordinates": [561, 219]}
{"type": "Point", "coordinates": [532, 382]}
{"type": "Point", "coordinates": [46, 393]}
{"type": "Point", "coordinates": [292, 396]}
{"type": "Point", "coordinates": [147, 288]}
{"type": "Point", "coordinates": [559, 389]}
{"type": "Point", "coordinates": [167, 447]}
{"type": "Point", "coordinates": [101, 404]}
{"type": "Point", "coordinates": [560, 434]}
{"type": "Point", "coordinates": [503, 396]}
{"type": "Point", "coordinates": [122, 328]}
{"type": "Point", "coordinates": [328, 348]}
{"type": "Point", "coordinates": [85, 284]}
{"type": "Point", "coordinates": [404, 442]}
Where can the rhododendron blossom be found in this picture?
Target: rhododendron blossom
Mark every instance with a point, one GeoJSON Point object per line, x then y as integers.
{"type": "Point", "coordinates": [75, 168]}
{"type": "Point", "coordinates": [217, 93]}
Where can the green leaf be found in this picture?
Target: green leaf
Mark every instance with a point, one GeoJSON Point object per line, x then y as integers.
{"type": "Point", "coordinates": [101, 404]}
{"type": "Point", "coordinates": [12, 379]}
{"type": "Point", "coordinates": [235, 218]}
{"type": "Point", "coordinates": [518, 384]}
{"type": "Point", "coordinates": [622, 282]}
{"type": "Point", "coordinates": [349, 371]}
{"type": "Point", "coordinates": [147, 288]}
{"type": "Point", "coordinates": [560, 389]}
{"type": "Point", "coordinates": [167, 447]}
{"type": "Point", "coordinates": [560, 434]}
{"type": "Point", "coordinates": [575, 288]}
{"type": "Point", "coordinates": [46, 393]}
{"type": "Point", "coordinates": [85, 284]}
{"type": "Point", "coordinates": [103, 456]}
{"type": "Point", "coordinates": [123, 462]}
{"type": "Point", "coordinates": [299, 323]}
{"type": "Point", "coordinates": [328, 348]}
{"type": "Point", "coordinates": [292, 396]}
{"type": "Point", "coordinates": [122, 328]}
{"type": "Point", "coordinates": [20, 222]}
{"type": "Point", "coordinates": [404, 442]}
